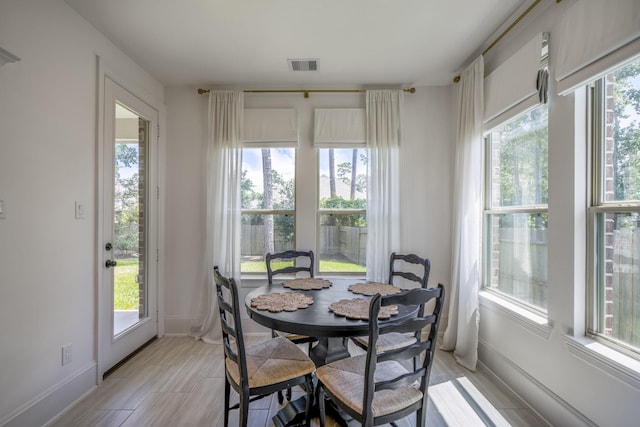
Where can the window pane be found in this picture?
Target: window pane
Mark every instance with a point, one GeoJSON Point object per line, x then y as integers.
{"type": "Point", "coordinates": [268, 182]}
{"type": "Point", "coordinates": [519, 160]}
{"type": "Point", "coordinates": [619, 276]}
{"type": "Point", "coordinates": [343, 243]}
{"type": "Point", "coordinates": [343, 178]}
{"type": "Point", "coordinates": [261, 234]}
{"type": "Point", "coordinates": [342, 185]}
{"type": "Point", "coordinates": [268, 178]}
{"type": "Point", "coordinates": [517, 256]}
{"type": "Point", "coordinates": [622, 135]}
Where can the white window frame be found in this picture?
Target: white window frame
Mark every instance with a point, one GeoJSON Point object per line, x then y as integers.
{"type": "Point", "coordinates": [292, 212]}
{"type": "Point", "coordinates": [536, 314]}
{"type": "Point", "coordinates": [597, 207]}
{"type": "Point", "coordinates": [325, 211]}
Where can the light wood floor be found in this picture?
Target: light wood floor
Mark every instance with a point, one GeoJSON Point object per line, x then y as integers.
{"type": "Point", "coordinates": [177, 381]}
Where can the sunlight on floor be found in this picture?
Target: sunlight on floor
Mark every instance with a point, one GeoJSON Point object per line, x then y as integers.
{"type": "Point", "coordinates": [460, 403]}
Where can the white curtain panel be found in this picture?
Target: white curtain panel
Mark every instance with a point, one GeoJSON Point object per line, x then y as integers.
{"type": "Point", "coordinates": [461, 334]}
{"type": "Point", "coordinates": [384, 131]}
{"type": "Point", "coordinates": [224, 164]}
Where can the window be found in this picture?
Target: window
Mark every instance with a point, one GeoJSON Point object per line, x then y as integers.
{"type": "Point", "coordinates": [268, 204]}
{"type": "Point", "coordinates": [515, 215]}
{"type": "Point", "coordinates": [615, 207]}
{"type": "Point", "coordinates": [342, 210]}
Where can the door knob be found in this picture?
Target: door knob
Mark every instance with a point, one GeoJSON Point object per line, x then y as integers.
{"type": "Point", "coordinates": [110, 263]}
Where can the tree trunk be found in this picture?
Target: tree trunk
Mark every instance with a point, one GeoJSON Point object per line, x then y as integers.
{"type": "Point", "coordinates": [332, 174]}
{"type": "Point", "coordinates": [267, 201]}
{"type": "Point", "coordinates": [354, 175]}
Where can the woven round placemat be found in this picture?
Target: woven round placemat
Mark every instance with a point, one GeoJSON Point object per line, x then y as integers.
{"type": "Point", "coordinates": [372, 288]}
{"type": "Point", "coordinates": [307, 284]}
{"type": "Point", "coordinates": [281, 301]}
{"type": "Point", "coordinates": [358, 308]}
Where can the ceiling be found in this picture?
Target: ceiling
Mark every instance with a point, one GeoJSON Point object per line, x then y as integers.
{"type": "Point", "coordinates": [246, 43]}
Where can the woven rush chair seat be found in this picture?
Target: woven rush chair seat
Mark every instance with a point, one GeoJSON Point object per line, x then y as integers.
{"type": "Point", "coordinates": [273, 361]}
{"type": "Point", "coordinates": [345, 379]}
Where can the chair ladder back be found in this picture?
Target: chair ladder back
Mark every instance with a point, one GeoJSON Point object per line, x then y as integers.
{"type": "Point", "coordinates": [410, 259]}
{"type": "Point", "coordinates": [231, 305]}
{"type": "Point", "coordinates": [289, 255]}
{"type": "Point", "coordinates": [421, 372]}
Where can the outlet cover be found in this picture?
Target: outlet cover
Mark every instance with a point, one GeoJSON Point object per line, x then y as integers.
{"type": "Point", "coordinates": [66, 354]}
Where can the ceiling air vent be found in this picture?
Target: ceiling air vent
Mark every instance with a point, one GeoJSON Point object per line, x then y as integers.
{"type": "Point", "coordinates": [303, 64]}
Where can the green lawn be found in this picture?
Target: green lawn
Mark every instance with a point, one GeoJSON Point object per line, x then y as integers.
{"type": "Point", "coordinates": [326, 266]}
{"type": "Point", "coordinates": [125, 292]}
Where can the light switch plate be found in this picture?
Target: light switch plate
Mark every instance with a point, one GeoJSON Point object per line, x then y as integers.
{"type": "Point", "coordinates": [79, 210]}
{"type": "Point", "coordinates": [3, 214]}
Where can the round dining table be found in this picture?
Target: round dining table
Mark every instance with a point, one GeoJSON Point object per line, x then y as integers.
{"type": "Point", "coordinates": [317, 321]}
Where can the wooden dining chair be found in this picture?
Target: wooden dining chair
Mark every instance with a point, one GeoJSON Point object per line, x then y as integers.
{"type": "Point", "coordinates": [407, 262]}
{"type": "Point", "coordinates": [261, 369]}
{"type": "Point", "coordinates": [376, 388]}
{"type": "Point", "coordinates": [301, 261]}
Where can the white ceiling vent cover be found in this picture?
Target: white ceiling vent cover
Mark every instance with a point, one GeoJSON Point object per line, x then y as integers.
{"type": "Point", "coordinates": [308, 64]}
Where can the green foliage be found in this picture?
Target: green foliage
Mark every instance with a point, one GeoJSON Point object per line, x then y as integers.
{"type": "Point", "coordinates": [349, 220]}
{"type": "Point", "coordinates": [126, 295]}
{"type": "Point", "coordinates": [126, 203]}
{"type": "Point", "coordinates": [626, 131]}
{"type": "Point", "coordinates": [523, 159]}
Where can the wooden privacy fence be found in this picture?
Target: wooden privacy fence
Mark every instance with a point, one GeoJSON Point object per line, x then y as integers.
{"type": "Point", "coordinates": [522, 264]}
{"type": "Point", "coordinates": [343, 242]}
{"type": "Point", "coordinates": [622, 287]}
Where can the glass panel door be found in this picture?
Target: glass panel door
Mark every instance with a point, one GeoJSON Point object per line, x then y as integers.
{"type": "Point", "coordinates": [129, 224]}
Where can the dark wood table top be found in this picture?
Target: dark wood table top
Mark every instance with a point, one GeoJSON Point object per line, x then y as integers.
{"type": "Point", "coordinates": [316, 320]}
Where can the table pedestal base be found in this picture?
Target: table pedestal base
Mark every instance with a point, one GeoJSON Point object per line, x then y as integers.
{"type": "Point", "coordinates": [293, 414]}
{"type": "Point", "coordinates": [329, 350]}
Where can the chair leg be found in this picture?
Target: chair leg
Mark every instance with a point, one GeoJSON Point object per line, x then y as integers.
{"type": "Point", "coordinates": [244, 410]}
{"type": "Point", "coordinates": [310, 393]}
{"type": "Point", "coordinates": [421, 417]}
{"type": "Point", "coordinates": [280, 397]}
{"type": "Point", "coordinates": [227, 388]}
{"type": "Point", "coordinates": [320, 394]}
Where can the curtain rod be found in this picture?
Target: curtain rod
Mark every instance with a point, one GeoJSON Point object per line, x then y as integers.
{"type": "Point", "coordinates": [306, 91]}
{"type": "Point", "coordinates": [456, 79]}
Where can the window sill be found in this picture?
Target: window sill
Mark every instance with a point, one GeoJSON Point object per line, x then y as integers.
{"type": "Point", "coordinates": [532, 322]}
{"type": "Point", "coordinates": [605, 358]}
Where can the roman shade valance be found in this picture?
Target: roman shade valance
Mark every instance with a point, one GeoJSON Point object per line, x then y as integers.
{"type": "Point", "coordinates": [596, 36]}
{"type": "Point", "coordinates": [512, 87]}
{"type": "Point", "coordinates": [339, 127]}
{"type": "Point", "coordinates": [271, 126]}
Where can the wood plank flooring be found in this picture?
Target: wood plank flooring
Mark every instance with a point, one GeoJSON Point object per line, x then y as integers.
{"type": "Point", "coordinates": [177, 381]}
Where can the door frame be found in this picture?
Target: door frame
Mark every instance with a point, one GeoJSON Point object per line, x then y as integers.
{"type": "Point", "coordinates": [155, 209]}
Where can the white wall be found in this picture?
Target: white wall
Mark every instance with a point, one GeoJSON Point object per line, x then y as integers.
{"type": "Point", "coordinates": [47, 162]}
{"type": "Point", "coordinates": [565, 389]}
{"type": "Point", "coordinates": [425, 179]}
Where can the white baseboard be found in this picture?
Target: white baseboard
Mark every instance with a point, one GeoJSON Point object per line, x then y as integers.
{"type": "Point", "coordinates": [180, 325]}
{"type": "Point", "coordinates": [48, 405]}
{"type": "Point", "coordinates": [540, 399]}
